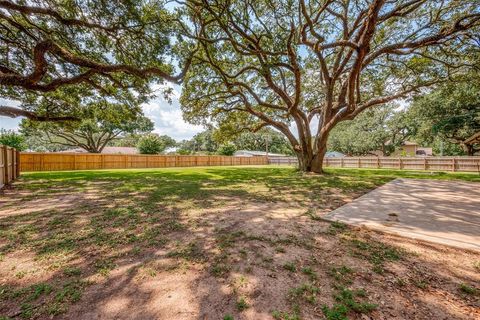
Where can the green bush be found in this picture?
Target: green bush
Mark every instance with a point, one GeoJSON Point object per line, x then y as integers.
{"type": "Point", "coordinates": [154, 144]}
{"type": "Point", "coordinates": [12, 139]}
{"type": "Point", "coordinates": [227, 149]}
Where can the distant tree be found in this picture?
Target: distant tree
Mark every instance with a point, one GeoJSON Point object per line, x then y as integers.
{"type": "Point", "coordinates": [12, 139]}
{"type": "Point", "coordinates": [38, 143]}
{"type": "Point", "coordinates": [450, 114]}
{"type": "Point", "coordinates": [128, 140]}
{"type": "Point", "coordinates": [102, 122]}
{"type": "Point", "coordinates": [204, 142]}
{"type": "Point", "coordinates": [258, 141]}
{"type": "Point", "coordinates": [154, 144]}
{"type": "Point", "coordinates": [380, 129]}
{"type": "Point", "coordinates": [227, 149]}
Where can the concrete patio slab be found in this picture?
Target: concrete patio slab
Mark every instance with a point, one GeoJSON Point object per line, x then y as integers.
{"type": "Point", "coordinates": [446, 212]}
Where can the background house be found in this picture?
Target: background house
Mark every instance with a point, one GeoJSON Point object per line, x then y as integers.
{"type": "Point", "coordinates": [249, 153]}
{"type": "Point", "coordinates": [411, 149]}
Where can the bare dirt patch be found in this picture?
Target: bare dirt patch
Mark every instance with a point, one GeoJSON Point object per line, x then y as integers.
{"type": "Point", "coordinates": [230, 248]}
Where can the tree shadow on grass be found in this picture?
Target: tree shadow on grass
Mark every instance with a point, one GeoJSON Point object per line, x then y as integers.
{"type": "Point", "coordinates": [193, 245]}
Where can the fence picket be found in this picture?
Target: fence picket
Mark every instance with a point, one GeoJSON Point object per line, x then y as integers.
{"type": "Point", "coordinates": [37, 161]}
{"type": "Point", "coordinates": [9, 165]}
{"type": "Point", "coordinates": [463, 164]}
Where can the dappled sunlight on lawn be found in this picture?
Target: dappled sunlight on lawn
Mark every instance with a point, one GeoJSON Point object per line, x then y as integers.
{"type": "Point", "coordinates": [202, 243]}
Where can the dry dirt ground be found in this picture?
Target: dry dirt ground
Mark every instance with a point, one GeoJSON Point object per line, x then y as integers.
{"type": "Point", "coordinates": [217, 243]}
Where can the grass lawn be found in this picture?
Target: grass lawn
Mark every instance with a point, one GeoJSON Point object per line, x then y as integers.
{"type": "Point", "coordinates": [218, 243]}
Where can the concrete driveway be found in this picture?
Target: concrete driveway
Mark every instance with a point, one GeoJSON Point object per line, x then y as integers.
{"type": "Point", "coordinates": [446, 212]}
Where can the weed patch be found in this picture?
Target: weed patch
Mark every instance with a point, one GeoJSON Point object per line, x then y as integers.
{"type": "Point", "coordinates": [290, 266]}
{"type": "Point", "coordinates": [375, 252]}
{"type": "Point", "coordinates": [465, 288]}
{"type": "Point", "coordinates": [336, 227]}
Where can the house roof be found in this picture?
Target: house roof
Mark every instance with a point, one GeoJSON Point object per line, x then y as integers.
{"type": "Point", "coordinates": [334, 154]}
{"type": "Point", "coordinates": [259, 153]}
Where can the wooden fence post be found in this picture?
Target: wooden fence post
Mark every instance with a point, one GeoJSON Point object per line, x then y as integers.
{"type": "Point", "coordinates": [341, 162]}
{"type": "Point", "coordinates": [5, 165]}
{"type": "Point", "coordinates": [378, 162]}
{"type": "Point", "coordinates": [424, 163]}
{"type": "Point", "coordinates": [453, 164]}
{"type": "Point", "coordinates": [18, 164]}
{"type": "Point", "coordinates": [41, 163]}
{"type": "Point", "coordinates": [400, 164]}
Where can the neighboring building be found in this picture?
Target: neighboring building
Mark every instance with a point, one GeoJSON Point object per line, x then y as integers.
{"type": "Point", "coordinates": [249, 153]}
{"type": "Point", "coordinates": [108, 150]}
{"type": "Point", "coordinates": [412, 149]}
{"type": "Point", "coordinates": [334, 154]}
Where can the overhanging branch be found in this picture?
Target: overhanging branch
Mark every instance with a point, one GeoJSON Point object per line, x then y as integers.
{"type": "Point", "coordinates": [13, 112]}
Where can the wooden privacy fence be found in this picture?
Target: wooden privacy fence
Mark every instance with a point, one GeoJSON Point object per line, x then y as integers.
{"type": "Point", "coordinates": [9, 165]}
{"type": "Point", "coordinates": [463, 164]}
{"type": "Point", "coordinates": [33, 161]}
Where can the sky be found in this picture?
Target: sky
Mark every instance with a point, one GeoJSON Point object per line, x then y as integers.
{"type": "Point", "coordinates": [166, 117]}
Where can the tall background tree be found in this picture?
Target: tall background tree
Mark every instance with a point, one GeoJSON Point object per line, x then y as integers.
{"type": "Point", "coordinates": [263, 139]}
{"type": "Point", "coordinates": [378, 129]}
{"type": "Point", "coordinates": [222, 141]}
{"type": "Point", "coordinates": [12, 139]}
{"type": "Point", "coordinates": [203, 142]}
{"type": "Point", "coordinates": [154, 144]}
{"type": "Point", "coordinates": [449, 115]}
{"type": "Point", "coordinates": [102, 122]}
{"type": "Point", "coordinates": [302, 67]}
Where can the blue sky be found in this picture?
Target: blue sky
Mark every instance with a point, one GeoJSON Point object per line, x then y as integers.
{"type": "Point", "coordinates": [166, 117]}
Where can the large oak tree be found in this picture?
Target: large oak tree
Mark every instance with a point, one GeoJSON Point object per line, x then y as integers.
{"type": "Point", "coordinates": [101, 46]}
{"type": "Point", "coordinates": [304, 66]}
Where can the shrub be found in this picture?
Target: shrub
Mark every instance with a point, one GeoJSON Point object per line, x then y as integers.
{"type": "Point", "coordinates": [12, 139]}
{"type": "Point", "coordinates": [154, 144]}
{"type": "Point", "coordinates": [227, 149]}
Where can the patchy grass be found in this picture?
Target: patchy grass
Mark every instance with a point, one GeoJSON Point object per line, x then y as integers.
{"type": "Point", "coordinates": [236, 242]}
{"type": "Point", "coordinates": [290, 266]}
{"type": "Point", "coordinates": [376, 252]}
{"type": "Point", "coordinates": [306, 291]}
{"type": "Point", "coordinates": [468, 289]}
{"type": "Point", "coordinates": [347, 300]}
{"type": "Point", "coordinates": [242, 304]}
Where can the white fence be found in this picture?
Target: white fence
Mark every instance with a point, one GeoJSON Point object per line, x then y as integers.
{"type": "Point", "coordinates": [463, 164]}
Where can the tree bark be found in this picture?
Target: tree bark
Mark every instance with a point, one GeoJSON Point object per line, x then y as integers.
{"type": "Point", "coordinates": [469, 149]}
{"type": "Point", "coordinates": [313, 162]}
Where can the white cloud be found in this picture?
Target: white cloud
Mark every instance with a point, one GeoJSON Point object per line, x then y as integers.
{"type": "Point", "coordinates": [167, 117]}
{"type": "Point", "coordinates": [6, 122]}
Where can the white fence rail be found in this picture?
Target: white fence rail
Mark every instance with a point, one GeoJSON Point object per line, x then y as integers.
{"type": "Point", "coordinates": [461, 164]}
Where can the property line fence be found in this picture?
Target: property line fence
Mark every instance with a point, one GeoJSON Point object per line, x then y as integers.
{"type": "Point", "coordinates": [35, 161]}
{"type": "Point", "coordinates": [461, 164]}
{"type": "Point", "coordinates": [9, 165]}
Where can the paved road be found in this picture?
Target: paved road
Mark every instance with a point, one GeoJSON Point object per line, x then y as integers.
{"type": "Point", "coordinates": [446, 212]}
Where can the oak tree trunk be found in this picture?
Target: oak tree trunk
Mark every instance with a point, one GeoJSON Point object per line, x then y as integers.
{"type": "Point", "coordinates": [309, 161]}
